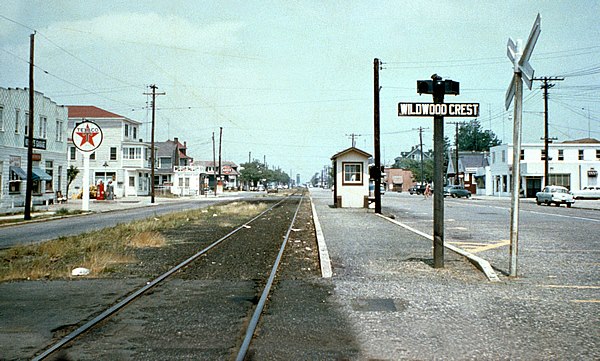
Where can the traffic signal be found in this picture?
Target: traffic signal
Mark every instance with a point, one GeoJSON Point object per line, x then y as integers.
{"type": "Point", "coordinates": [373, 172]}
{"type": "Point", "coordinates": [451, 87]}
{"type": "Point", "coordinates": [424, 87]}
{"type": "Point", "coordinates": [438, 86]}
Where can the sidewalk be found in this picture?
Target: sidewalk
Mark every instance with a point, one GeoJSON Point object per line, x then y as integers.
{"type": "Point", "coordinates": [400, 307]}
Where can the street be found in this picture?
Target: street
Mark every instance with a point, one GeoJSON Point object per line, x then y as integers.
{"type": "Point", "coordinates": [558, 246]}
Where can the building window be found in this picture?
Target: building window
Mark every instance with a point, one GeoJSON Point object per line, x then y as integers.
{"type": "Point", "coordinates": [522, 154]}
{"type": "Point", "coordinates": [561, 154]}
{"type": "Point", "coordinates": [93, 156]}
{"type": "Point", "coordinates": [1, 118]}
{"type": "Point", "coordinates": [126, 130]}
{"type": "Point", "coordinates": [43, 127]}
{"type": "Point", "coordinates": [50, 172]}
{"type": "Point", "coordinates": [113, 153]}
{"type": "Point", "coordinates": [560, 180]}
{"type": "Point", "coordinates": [132, 153]}
{"type": "Point", "coordinates": [26, 123]}
{"type": "Point", "coordinates": [580, 154]}
{"type": "Point", "coordinates": [352, 173]}
{"type": "Point", "coordinates": [597, 154]}
{"type": "Point", "coordinates": [17, 123]}
{"type": "Point", "coordinates": [59, 130]}
{"type": "Point", "coordinates": [134, 132]}
{"type": "Point", "coordinates": [72, 153]}
{"type": "Point", "coordinates": [14, 183]}
{"type": "Point", "coordinates": [503, 156]}
{"type": "Point", "coordinates": [543, 154]}
{"type": "Point", "coordinates": [132, 181]}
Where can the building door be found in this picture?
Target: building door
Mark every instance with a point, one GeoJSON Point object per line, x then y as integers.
{"type": "Point", "coordinates": [534, 185]}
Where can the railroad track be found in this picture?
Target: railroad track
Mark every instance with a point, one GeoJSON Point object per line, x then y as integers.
{"type": "Point", "coordinates": [247, 290]}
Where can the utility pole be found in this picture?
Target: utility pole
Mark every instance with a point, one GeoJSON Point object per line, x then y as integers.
{"type": "Point", "coordinates": [456, 181]}
{"type": "Point", "coordinates": [376, 118]}
{"type": "Point", "coordinates": [220, 140]}
{"type": "Point", "coordinates": [29, 188]}
{"type": "Point", "coordinates": [353, 135]}
{"type": "Point", "coordinates": [214, 163]}
{"type": "Point", "coordinates": [152, 154]}
{"type": "Point", "coordinates": [546, 85]}
{"type": "Point", "coordinates": [420, 129]}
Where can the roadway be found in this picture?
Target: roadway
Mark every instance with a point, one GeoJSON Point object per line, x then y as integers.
{"type": "Point", "coordinates": [558, 244]}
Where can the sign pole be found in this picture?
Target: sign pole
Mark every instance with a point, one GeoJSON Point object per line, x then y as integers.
{"type": "Point", "coordinates": [85, 196]}
{"type": "Point", "coordinates": [516, 176]}
{"type": "Point", "coordinates": [523, 71]}
{"type": "Point", "coordinates": [438, 176]}
{"type": "Point", "coordinates": [87, 137]}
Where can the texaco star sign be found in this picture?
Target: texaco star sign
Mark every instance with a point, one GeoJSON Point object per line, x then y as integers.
{"type": "Point", "coordinates": [87, 136]}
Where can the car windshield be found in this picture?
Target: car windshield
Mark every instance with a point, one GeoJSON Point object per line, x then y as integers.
{"type": "Point", "coordinates": [560, 190]}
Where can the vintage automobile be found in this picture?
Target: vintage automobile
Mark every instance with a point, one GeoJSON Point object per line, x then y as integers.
{"type": "Point", "coordinates": [456, 192]}
{"type": "Point", "coordinates": [417, 189]}
{"type": "Point", "coordinates": [554, 194]}
{"type": "Point", "coordinates": [590, 192]}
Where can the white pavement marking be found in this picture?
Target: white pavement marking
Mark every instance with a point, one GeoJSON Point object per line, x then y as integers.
{"type": "Point", "coordinates": [483, 264]}
{"type": "Point", "coordinates": [326, 271]}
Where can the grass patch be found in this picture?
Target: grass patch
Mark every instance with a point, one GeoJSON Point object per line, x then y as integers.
{"type": "Point", "coordinates": [101, 250]}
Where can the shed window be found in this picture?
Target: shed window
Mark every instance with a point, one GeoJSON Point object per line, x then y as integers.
{"type": "Point", "coordinates": [353, 173]}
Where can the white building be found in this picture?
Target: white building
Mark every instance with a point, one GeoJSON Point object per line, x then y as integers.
{"type": "Point", "coordinates": [49, 154]}
{"type": "Point", "coordinates": [122, 158]}
{"type": "Point", "coordinates": [572, 164]}
{"type": "Point", "coordinates": [351, 187]}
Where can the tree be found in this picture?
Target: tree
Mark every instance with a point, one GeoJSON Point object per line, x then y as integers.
{"type": "Point", "coordinates": [72, 173]}
{"type": "Point", "coordinates": [472, 138]}
{"type": "Point", "coordinates": [254, 172]}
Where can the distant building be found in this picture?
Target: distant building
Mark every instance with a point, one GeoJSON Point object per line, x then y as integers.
{"type": "Point", "coordinates": [572, 164]}
{"type": "Point", "coordinates": [190, 180]}
{"type": "Point", "coordinates": [469, 165]}
{"type": "Point", "coordinates": [413, 154]}
{"type": "Point", "coordinates": [398, 180]}
{"type": "Point", "coordinates": [122, 158]}
{"type": "Point", "coordinates": [49, 153]}
{"type": "Point", "coordinates": [169, 154]}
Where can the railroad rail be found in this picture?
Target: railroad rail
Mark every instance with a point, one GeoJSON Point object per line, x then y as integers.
{"type": "Point", "coordinates": [132, 297]}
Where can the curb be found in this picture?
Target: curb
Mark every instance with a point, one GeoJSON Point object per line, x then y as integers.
{"type": "Point", "coordinates": [482, 264]}
{"type": "Point", "coordinates": [324, 259]}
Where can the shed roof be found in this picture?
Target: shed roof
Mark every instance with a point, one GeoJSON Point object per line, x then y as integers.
{"type": "Point", "coordinates": [350, 150]}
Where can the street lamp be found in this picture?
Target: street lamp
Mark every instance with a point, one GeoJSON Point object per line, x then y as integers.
{"type": "Point", "coordinates": [105, 165]}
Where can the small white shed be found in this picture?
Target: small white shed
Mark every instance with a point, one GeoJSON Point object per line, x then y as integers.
{"type": "Point", "coordinates": [351, 182]}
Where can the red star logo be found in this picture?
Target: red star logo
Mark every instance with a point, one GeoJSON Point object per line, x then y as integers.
{"type": "Point", "coordinates": [87, 136]}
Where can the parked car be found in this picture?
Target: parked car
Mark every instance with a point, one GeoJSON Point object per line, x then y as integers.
{"type": "Point", "coordinates": [554, 194]}
{"type": "Point", "coordinates": [589, 192]}
{"type": "Point", "coordinates": [416, 189]}
{"type": "Point", "coordinates": [456, 192]}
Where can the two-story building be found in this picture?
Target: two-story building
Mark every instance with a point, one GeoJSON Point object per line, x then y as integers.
{"type": "Point", "coordinates": [49, 162]}
{"type": "Point", "coordinates": [169, 154]}
{"type": "Point", "coordinates": [572, 164]}
{"type": "Point", "coordinates": [122, 158]}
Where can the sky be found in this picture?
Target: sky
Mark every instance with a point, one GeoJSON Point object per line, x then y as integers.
{"type": "Point", "coordinates": [290, 81]}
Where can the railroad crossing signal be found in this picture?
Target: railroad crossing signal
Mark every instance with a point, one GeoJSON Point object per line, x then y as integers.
{"type": "Point", "coordinates": [520, 58]}
{"type": "Point", "coordinates": [522, 72]}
